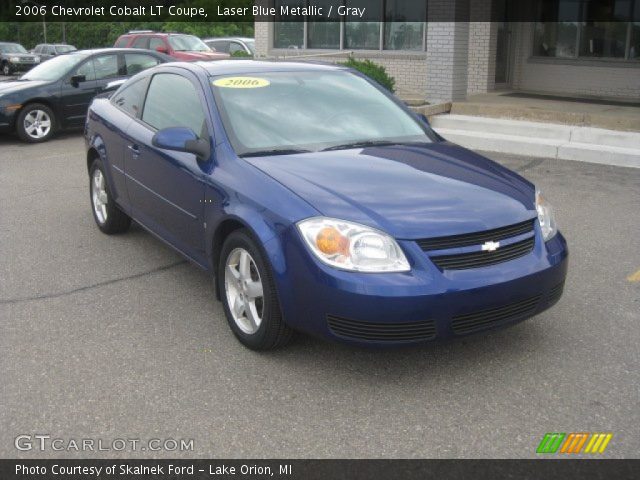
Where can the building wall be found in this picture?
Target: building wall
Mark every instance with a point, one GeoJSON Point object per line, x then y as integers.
{"type": "Point", "coordinates": [589, 78]}
{"type": "Point", "coordinates": [408, 68]}
{"type": "Point", "coordinates": [448, 68]}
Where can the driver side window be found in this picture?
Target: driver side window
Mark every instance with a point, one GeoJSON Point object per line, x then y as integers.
{"type": "Point", "coordinates": [172, 101]}
{"type": "Point", "coordinates": [87, 69]}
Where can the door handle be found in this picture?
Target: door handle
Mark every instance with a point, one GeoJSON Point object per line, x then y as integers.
{"type": "Point", "coordinates": [135, 150]}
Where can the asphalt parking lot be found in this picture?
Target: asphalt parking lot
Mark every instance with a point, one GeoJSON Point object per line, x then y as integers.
{"type": "Point", "coordinates": [117, 337]}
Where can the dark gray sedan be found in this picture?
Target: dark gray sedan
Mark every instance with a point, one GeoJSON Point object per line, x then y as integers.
{"type": "Point", "coordinates": [15, 58]}
{"type": "Point", "coordinates": [49, 50]}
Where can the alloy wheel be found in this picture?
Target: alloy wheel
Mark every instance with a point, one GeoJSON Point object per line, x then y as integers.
{"type": "Point", "coordinates": [244, 291]}
{"type": "Point", "coordinates": [99, 196]}
{"type": "Point", "coordinates": [37, 124]}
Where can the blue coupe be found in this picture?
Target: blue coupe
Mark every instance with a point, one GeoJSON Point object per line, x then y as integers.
{"type": "Point", "coordinates": [321, 204]}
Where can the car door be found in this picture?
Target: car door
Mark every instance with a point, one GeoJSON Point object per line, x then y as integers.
{"type": "Point", "coordinates": [128, 102]}
{"type": "Point", "coordinates": [137, 62]}
{"type": "Point", "coordinates": [108, 67]}
{"type": "Point", "coordinates": [76, 95]}
{"type": "Point", "coordinates": [157, 44]}
{"type": "Point", "coordinates": [166, 188]}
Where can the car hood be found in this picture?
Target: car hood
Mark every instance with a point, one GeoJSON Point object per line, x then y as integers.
{"type": "Point", "coordinates": [19, 85]}
{"type": "Point", "coordinates": [202, 55]}
{"type": "Point", "coordinates": [21, 55]}
{"type": "Point", "coordinates": [408, 191]}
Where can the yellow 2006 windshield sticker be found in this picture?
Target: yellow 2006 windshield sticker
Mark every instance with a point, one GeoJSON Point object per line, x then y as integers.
{"type": "Point", "coordinates": [241, 82]}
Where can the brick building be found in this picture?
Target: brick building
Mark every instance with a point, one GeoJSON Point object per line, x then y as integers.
{"type": "Point", "coordinates": [573, 48]}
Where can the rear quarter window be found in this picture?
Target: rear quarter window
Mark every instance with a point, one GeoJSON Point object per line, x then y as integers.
{"type": "Point", "coordinates": [131, 98]}
{"type": "Point", "coordinates": [122, 42]}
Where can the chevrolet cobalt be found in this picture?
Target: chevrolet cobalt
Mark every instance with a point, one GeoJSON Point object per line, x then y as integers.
{"type": "Point", "coordinates": [321, 204]}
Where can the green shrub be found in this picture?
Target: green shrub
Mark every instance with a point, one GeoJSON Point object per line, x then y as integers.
{"type": "Point", "coordinates": [373, 71]}
{"type": "Point", "coordinates": [241, 54]}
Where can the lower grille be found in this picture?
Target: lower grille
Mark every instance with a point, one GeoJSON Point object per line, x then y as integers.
{"type": "Point", "coordinates": [382, 332]}
{"type": "Point", "coordinates": [483, 258]}
{"type": "Point", "coordinates": [555, 293]}
{"type": "Point", "coordinates": [471, 322]}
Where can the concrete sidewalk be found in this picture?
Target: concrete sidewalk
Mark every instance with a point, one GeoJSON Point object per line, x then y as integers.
{"type": "Point", "coordinates": [586, 112]}
{"type": "Point", "coordinates": [550, 140]}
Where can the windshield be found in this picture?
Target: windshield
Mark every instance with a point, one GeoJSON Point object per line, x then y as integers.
{"type": "Point", "coordinates": [55, 68]}
{"type": "Point", "coordinates": [252, 45]}
{"type": "Point", "coordinates": [310, 111]}
{"type": "Point", "coordinates": [12, 48]}
{"type": "Point", "coordinates": [65, 48]}
{"type": "Point", "coordinates": [187, 43]}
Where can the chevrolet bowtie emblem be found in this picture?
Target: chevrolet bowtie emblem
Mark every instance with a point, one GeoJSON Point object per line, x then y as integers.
{"type": "Point", "coordinates": [490, 246]}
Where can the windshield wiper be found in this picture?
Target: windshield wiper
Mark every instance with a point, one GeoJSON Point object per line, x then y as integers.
{"type": "Point", "coordinates": [361, 144]}
{"type": "Point", "coordinates": [275, 151]}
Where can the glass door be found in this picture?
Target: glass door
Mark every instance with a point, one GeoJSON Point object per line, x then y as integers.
{"type": "Point", "coordinates": [503, 48]}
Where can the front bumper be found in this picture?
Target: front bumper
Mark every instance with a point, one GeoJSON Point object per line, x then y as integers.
{"type": "Point", "coordinates": [425, 304]}
{"type": "Point", "coordinates": [7, 118]}
{"type": "Point", "coordinates": [22, 66]}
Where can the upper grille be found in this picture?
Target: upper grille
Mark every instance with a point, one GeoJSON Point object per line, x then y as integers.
{"type": "Point", "coordinates": [484, 258]}
{"type": "Point", "coordinates": [382, 332]}
{"type": "Point", "coordinates": [470, 322]}
{"type": "Point", "coordinates": [477, 238]}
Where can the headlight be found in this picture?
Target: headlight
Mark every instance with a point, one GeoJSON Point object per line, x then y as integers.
{"type": "Point", "coordinates": [546, 217]}
{"type": "Point", "coordinates": [14, 59]}
{"type": "Point", "coordinates": [351, 246]}
{"type": "Point", "coordinates": [36, 59]}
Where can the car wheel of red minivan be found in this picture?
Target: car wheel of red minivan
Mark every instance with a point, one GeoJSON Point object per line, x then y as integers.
{"type": "Point", "coordinates": [248, 294]}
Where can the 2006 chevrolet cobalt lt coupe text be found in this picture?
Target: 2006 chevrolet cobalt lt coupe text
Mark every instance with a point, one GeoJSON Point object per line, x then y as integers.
{"type": "Point", "coordinates": [321, 204]}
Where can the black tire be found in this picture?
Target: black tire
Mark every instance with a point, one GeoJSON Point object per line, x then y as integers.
{"type": "Point", "coordinates": [272, 332]}
{"type": "Point", "coordinates": [6, 69]}
{"type": "Point", "coordinates": [116, 220]}
{"type": "Point", "coordinates": [29, 109]}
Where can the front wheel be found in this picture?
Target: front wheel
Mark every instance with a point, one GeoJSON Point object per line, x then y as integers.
{"type": "Point", "coordinates": [109, 218]}
{"type": "Point", "coordinates": [249, 296]}
{"type": "Point", "coordinates": [35, 123]}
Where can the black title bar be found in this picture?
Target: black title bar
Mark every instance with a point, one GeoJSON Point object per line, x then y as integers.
{"type": "Point", "coordinates": [318, 469]}
{"type": "Point", "coordinates": [317, 10]}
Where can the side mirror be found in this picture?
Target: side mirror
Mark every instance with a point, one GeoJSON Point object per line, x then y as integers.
{"type": "Point", "coordinates": [162, 49]}
{"type": "Point", "coordinates": [424, 118]}
{"type": "Point", "coordinates": [181, 139]}
{"type": "Point", "coordinates": [77, 80]}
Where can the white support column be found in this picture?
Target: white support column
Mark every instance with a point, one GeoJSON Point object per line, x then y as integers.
{"type": "Point", "coordinates": [447, 51]}
{"type": "Point", "coordinates": [264, 38]}
{"type": "Point", "coordinates": [483, 40]}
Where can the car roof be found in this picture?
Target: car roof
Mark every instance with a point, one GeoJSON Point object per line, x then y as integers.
{"type": "Point", "coordinates": [225, 67]}
{"type": "Point", "coordinates": [91, 51]}
{"type": "Point", "coordinates": [242, 39]}
{"type": "Point", "coordinates": [9, 43]}
{"type": "Point", "coordinates": [155, 34]}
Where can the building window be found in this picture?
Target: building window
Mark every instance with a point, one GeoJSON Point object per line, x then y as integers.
{"type": "Point", "coordinates": [323, 32]}
{"type": "Point", "coordinates": [400, 34]}
{"type": "Point", "coordinates": [364, 34]}
{"type": "Point", "coordinates": [399, 29]}
{"type": "Point", "coordinates": [588, 29]}
{"type": "Point", "coordinates": [288, 33]}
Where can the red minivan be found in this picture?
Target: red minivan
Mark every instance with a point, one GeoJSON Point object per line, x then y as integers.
{"type": "Point", "coordinates": [177, 45]}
